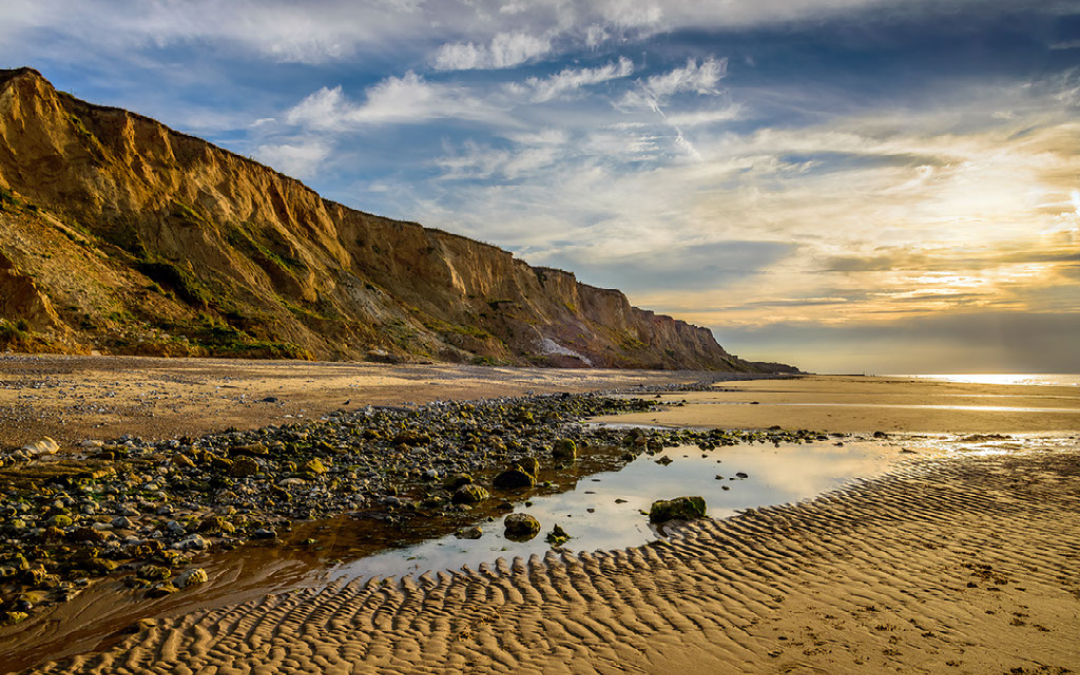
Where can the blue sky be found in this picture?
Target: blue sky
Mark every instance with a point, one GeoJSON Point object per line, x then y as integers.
{"type": "Point", "coordinates": [848, 185]}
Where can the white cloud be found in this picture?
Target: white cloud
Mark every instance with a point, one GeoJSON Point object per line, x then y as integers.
{"type": "Point", "coordinates": [571, 80]}
{"type": "Point", "coordinates": [706, 117]}
{"type": "Point", "coordinates": [395, 100]}
{"type": "Point", "coordinates": [300, 159]}
{"type": "Point", "coordinates": [505, 51]}
{"type": "Point", "coordinates": [699, 78]}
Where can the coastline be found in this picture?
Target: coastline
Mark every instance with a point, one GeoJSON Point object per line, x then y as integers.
{"type": "Point", "coordinates": [771, 589]}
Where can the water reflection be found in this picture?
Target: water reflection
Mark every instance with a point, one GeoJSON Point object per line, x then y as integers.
{"type": "Point", "coordinates": [604, 511]}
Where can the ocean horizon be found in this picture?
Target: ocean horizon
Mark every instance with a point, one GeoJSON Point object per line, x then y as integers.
{"type": "Point", "coordinates": [1030, 379]}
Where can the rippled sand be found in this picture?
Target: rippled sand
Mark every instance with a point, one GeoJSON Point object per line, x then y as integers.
{"type": "Point", "coordinates": [964, 559]}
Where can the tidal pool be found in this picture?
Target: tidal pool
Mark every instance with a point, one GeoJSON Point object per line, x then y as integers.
{"type": "Point", "coordinates": [605, 511]}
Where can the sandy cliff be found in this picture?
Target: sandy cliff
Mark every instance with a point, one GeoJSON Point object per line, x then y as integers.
{"type": "Point", "coordinates": [121, 235]}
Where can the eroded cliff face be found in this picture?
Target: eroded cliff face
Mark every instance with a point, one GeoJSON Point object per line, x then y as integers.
{"type": "Point", "coordinates": [121, 235]}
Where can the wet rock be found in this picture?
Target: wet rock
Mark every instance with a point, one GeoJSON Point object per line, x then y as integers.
{"type": "Point", "coordinates": [175, 528]}
{"type": "Point", "coordinates": [680, 508]}
{"type": "Point", "coordinates": [194, 542]}
{"type": "Point", "coordinates": [154, 572]}
{"type": "Point", "coordinates": [12, 618]}
{"type": "Point", "coordinates": [192, 578]}
{"type": "Point", "coordinates": [531, 466]}
{"type": "Point", "coordinates": [264, 533]}
{"type": "Point", "coordinates": [216, 525]}
{"type": "Point", "coordinates": [880, 434]}
{"type": "Point", "coordinates": [456, 481]}
{"type": "Point", "coordinates": [470, 533]}
{"type": "Point", "coordinates": [664, 461]}
{"type": "Point", "coordinates": [520, 526]}
{"type": "Point", "coordinates": [742, 474]}
{"type": "Point", "coordinates": [160, 590]}
{"type": "Point", "coordinates": [557, 536]}
{"type": "Point", "coordinates": [470, 494]}
{"type": "Point", "coordinates": [514, 478]}
{"type": "Point", "coordinates": [565, 450]}
{"type": "Point", "coordinates": [182, 461]}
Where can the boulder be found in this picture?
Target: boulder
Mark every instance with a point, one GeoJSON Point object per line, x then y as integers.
{"type": "Point", "coordinates": [45, 446]}
{"type": "Point", "coordinates": [470, 494]}
{"type": "Point", "coordinates": [457, 480]}
{"type": "Point", "coordinates": [521, 526]}
{"type": "Point", "coordinates": [514, 478]}
{"type": "Point", "coordinates": [680, 508]}
{"type": "Point", "coordinates": [565, 450]}
{"type": "Point", "coordinates": [531, 466]}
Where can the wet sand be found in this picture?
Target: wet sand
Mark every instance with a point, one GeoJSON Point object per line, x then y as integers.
{"type": "Point", "coordinates": [954, 561]}
{"type": "Point", "coordinates": [869, 404]}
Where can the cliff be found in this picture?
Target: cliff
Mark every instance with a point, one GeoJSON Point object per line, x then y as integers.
{"type": "Point", "coordinates": [120, 235]}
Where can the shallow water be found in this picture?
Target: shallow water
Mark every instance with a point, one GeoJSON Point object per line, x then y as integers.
{"type": "Point", "coordinates": [591, 515]}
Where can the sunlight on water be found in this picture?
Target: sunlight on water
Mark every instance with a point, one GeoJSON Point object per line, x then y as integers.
{"type": "Point", "coordinates": [775, 476]}
{"type": "Point", "coordinates": [1055, 379]}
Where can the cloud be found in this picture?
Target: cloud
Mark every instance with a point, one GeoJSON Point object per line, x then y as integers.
{"type": "Point", "coordinates": [699, 78]}
{"type": "Point", "coordinates": [505, 51]}
{"type": "Point", "coordinates": [300, 158]}
{"type": "Point", "coordinates": [570, 80]}
{"type": "Point", "coordinates": [394, 100]}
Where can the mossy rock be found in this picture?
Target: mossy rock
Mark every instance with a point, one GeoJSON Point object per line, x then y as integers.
{"type": "Point", "coordinates": [680, 508]}
{"type": "Point", "coordinates": [313, 466]}
{"type": "Point", "coordinates": [531, 466]}
{"type": "Point", "coordinates": [514, 478]}
{"type": "Point", "coordinates": [557, 536]}
{"type": "Point", "coordinates": [565, 450]}
{"type": "Point", "coordinates": [456, 481]}
{"type": "Point", "coordinates": [470, 494]}
{"type": "Point", "coordinates": [244, 466]}
{"type": "Point", "coordinates": [520, 527]}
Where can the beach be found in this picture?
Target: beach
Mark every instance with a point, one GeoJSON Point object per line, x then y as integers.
{"type": "Point", "coordinates": [957, 553]}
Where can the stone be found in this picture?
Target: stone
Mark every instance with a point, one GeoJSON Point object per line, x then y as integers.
{"type": "Point", "coordinates": [531, 466]}
{"type": "Point", "coordinates": [162, 589]}
{"type": "Point", "coordinates": [565, 449]}
{"type": "Point", "coordinates": [470, 533]}
{"type": "Point", "coordinates": [742, 474]}
{"type": "Point", "coordinates": [192, 578]}
{"type": "Point", "coordinates": [174, 527]}
{"type": "Point", "coordinates": [557, 536]}
{"type": "Point", "coordinates": [194, 542]}
{"type": "Point", "coordinates": [244, 466]}
{"type": "Point", "coordinates": [45, 446]}
{"type": "Point", "coordinates": [520, 527]}
{"type": "Point", "coordinates": [470, 494]}
{"type": "Point", "coordinates": [12, 618]}
{"type": "Point", "coordinates": [664, 461]}
{"type": "Point", "coordinates": [680, 508]}
{"type": "Point", "coordinates": [251, 450]}
{"type": "Point", "coordinates": [216, 525]}
{"type": "Point", "coordinates": [514, 478]}
{"type": "Point", "coordinates": [182, 461]}
{"type": "Point", "coordinates": [313, 466]}
{"type": "Point", "coordinates": [456, 481]}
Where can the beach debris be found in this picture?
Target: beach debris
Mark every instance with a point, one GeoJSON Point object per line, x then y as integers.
{"type": "Point", "coordinates": [558, 536]}
{"type": "Point", "coordinates": [520, 527]}
{"type": "Point", "coordinates": [680, 508]}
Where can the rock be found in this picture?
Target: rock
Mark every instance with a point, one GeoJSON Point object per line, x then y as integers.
{"type": "Point", "coordinates": [457, 480]}
{"type": "Point", "coordinates": [431, 474]}
{"type": "Point", "coordinates": [680, 508]}
{"type": "Point", "coordinates": [742, 474]}
{"type": "Point", "coordinates": [193, 543]}
{"type": "Point", "coordinates": [470, 494]}
{"type": "Point", "coordinates": [264, 533]}
{"type": "Point", "coordinates": [244, 466]}
{"type": "Point", "coordinates": [557, 536]}
{"type": "Point", "coordinates": [91, 443]}
{"type": "Point", "coordinates": [160, 590]}
{"type": "Point", "coordinates": [122, 523]}
{"type": "Point", "coordinates": [565, 449]}
{"type": "Point", "coordinates": [59, 520]}
{"type": "Point", "coordinates": [313, 466]}
{"type": "Point", "coordinates": [216, 525]}
{"type": "Point", "coordinates": [514, 478]}
{"type": "Point", "coordinates": [531, 466]}
{"type": "Point", "coordinates": [192, 578]}
{"type": "Point", "coordinates": [12, 618]}
{"type": "Point", "coordinates": [251, 450]}
{"type": "Point", "coordinates": [182, 461]}
{"type": "Point", "coordinates": [880, 434]}
{"type": "Point", "coordinates": [45, 446]}
{"type": "Point", "coordinates": [664, 461]}
{"type": "Point", "coordinates": [154, 572]}
{"type": "Point", "coordinates": [520, 526]}
{"type": "Point", "coordinates": [174, 527]}
{"type": "Point", "coordinates": [470, 533]}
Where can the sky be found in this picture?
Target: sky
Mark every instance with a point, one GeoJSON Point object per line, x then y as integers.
{"type": "Point", "coordinates": [844, 185]}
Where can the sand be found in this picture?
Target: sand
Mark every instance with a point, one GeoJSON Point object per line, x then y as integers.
{"type": "Point", "coordinates": [954, 561]}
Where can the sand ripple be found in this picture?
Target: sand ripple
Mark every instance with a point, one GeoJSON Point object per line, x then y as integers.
{"type": "Point", "coordinates": [959, 565]}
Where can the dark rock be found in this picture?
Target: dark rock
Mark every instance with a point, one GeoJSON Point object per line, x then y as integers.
{"type": "Point", "coordinates": [557, 536]}
{"type": "Point", "coordinates": [521, 527]}
{"type": "Point", "coordinates": [470, 533]}
{"type": "Point", "coordinates": [514, 478]}
{"type": "Point", "coordinates": [457, 480]}
{"type": "Point", "coordinates": [680, 508]}
{"type": "Point", "coordinates": [244, 466]}
{"type": "Point", "coordinates": [565, 449]}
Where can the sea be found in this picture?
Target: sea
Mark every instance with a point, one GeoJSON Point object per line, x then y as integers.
{"type": "Point", "coordinates": [1039, 379]}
